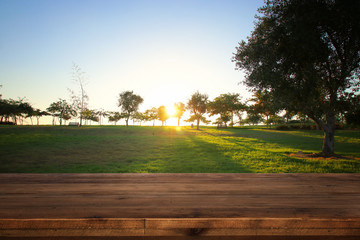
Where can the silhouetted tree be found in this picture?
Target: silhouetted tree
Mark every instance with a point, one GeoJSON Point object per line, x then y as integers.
{"type": "Point", "coordinates": [179, 111]}
{"type": "Point", "coordinates": [163, 115]}
{"type": "Point", "coordinates": [15, 109]}
{"type": "Point", "coordinates": [38, 114]}
{"type": "Point", "coordinates": [61, 109]}
{"type": "Point", "coordinates": [307, 54]}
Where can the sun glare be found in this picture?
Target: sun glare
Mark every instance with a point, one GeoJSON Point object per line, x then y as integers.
{"type": "Point", "coordinates": [170, 109]}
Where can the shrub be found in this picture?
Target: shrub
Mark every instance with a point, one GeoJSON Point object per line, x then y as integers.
{"type": "Point", "coordinates": [282, 127]}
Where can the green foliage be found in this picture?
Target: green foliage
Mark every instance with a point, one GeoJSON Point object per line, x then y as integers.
{"type": "Point", "coordinates": [139, 117]}
{"type": "Point", "coordinates": [115, 117]}
{"type": "Point", "coordinates": [275, 119]}
{"type": "Point", "coordinates": [307, 54]}
{"type": "Point", "coordinates": [16, 110]}
{"type": "Point", "coordinates": [152, 114]}
{"type": "Point", "coordinates": [253, 117]}
{"type": "Point", "coordinates": [38, 114]}
{"type": "Point", "coordinates": [197, 105]}
{"type": "Point", "coordinates": [94, 149]}
{"type": "Point", "coordinates": [61, 109]}
{"type": "Point", "coordinates": [90, 115]}
{"type": "Point", "coordinates": [129, 103]}
{"type": "Point", "coordinates": [225, 105]}
{"type": "Point", "coordinates": [352, 116]}
{"type": "Point", "coordinates": [264, 104]}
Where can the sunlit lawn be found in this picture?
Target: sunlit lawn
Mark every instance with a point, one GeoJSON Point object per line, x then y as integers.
{"type": "Point", "coordinates": [169, 150]}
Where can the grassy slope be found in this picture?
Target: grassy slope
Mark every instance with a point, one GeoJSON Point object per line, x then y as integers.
{"type": "Point", "coordinates": [149, 149]}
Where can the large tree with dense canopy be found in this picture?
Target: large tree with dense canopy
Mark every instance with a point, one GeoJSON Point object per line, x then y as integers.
{"type": "Point", "coordinates": [307, 54]}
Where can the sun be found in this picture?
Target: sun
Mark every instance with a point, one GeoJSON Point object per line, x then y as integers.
{"type": "Point", "coordinates": [170, 109]}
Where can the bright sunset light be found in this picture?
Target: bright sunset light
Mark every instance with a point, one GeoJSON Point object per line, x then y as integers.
{"type": "Point", "coordinates": [162, 50]}
{"type": "Point", "coordinates": [170, 109]}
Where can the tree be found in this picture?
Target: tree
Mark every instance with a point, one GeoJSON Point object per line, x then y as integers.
{"type": "Point", "coordinates": [197, 106]}
{"type": "Point", "coordinates": [129, 103]}
{"type": "Point", "coordinates": [61, 109]}
{"type": "Point", "coordinates": [239, 112]}
{"type": "Point", "coordinates": [101, 113]}
{"type": "Point", "coordinates": [179, 111]}
{"type": "Point", "coordinates": [275, 119]}
{"type": "Point", "coordinates": [90, 115]}
{"type": "Point", "coordinates": [264, 104]}
{"type": "Point", "coordinates": [114, 117]}
{"type": "Point", "coordinates": [38, 114]}
{"type": "Point", "coordinates": [24, 110]}
{"type": "Point", "coordinates": [5, 110]}
{"type": "Point", "coordinates": [15, 109]}
{"type": "Point", "coordinates": [152, 114]}
{"type": "Point", "coordinates": [253, 117]}
{"type": "Point", "coordinates": [288, 116]}
{"type": "Point", "coordinates": [163, 115]}
{"type": "Point", "coordinates": [307, 54]}
{"type": "Point", "coordinates": [352, 116]}
{"type": "Point", "coordinates": [139, 117]}
{"type": "Point", "coordinates": [80, 101]}
{"type": "Point", "coordinates": [226, 105]}
{"type": "Point", "coordinates": [217, 107]}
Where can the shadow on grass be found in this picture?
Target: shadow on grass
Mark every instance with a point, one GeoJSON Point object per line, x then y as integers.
{"type": "Point", "coordinates": [186, 155]}
{"type": "Point", "coordinates": [166, 150]}
{"type": "Point", "coordinates": [266, 151]}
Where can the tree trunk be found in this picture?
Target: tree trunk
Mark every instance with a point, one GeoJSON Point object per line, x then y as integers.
{"type": "Point", "coordinates": [197, 124]}
{"type": "Point", "coordinates": [267, 121]}
{"type": "Point", "coordinates": [329, 135]}
{"type": "Point", "coordinates": [178, 122]}
{"type": "Point", "coordinates": [127, 122]}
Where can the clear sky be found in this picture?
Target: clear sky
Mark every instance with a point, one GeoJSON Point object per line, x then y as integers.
{"type": "Point", "coordinates": [163, 50]}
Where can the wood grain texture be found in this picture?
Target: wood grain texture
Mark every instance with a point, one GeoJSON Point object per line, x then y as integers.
{"type": "Point", "coordinates": [182, 206]}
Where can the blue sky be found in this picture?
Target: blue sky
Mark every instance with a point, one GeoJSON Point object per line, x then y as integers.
{"type": "Point", "coordinates": [162, 50]}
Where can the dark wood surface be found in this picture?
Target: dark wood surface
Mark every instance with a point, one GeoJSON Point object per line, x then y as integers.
{"type": "Point", "coordinates": [181, 206]}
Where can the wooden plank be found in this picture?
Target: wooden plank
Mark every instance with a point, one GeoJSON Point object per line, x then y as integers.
{"type": "Point", "coordinates": [179, 227]}
{"type": "Point", "coordinates": [245, 206]}
{"type": "Point", "coordinates": [252, 227]}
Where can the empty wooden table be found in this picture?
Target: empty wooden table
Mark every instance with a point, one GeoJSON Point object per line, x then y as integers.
{"type": "Point", "coordinates": [180, 206]}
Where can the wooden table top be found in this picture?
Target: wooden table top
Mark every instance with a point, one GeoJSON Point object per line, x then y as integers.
{"type": "Point", "coordinates": [180, 205]}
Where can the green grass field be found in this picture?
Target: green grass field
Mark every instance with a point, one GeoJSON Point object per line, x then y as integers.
{"type": "Point", "coordinates": [118, 149]}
